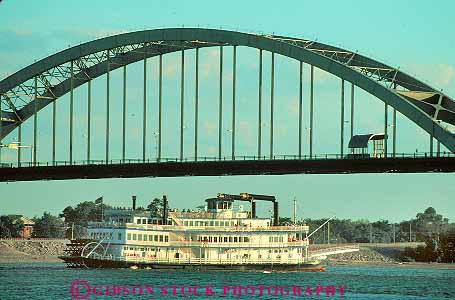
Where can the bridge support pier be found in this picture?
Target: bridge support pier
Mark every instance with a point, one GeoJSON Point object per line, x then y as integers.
{"type": "Point", "coordinates": [352, 111]}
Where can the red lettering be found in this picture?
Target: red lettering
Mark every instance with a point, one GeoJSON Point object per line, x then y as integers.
{"type": "Point", "coordinates": [269, 289]}
{"type": "Point", "coordinates": [318, 289]}
{"type": "Point", "coordinates": [116, 290]}
{"type": "Point", "coordinates": [284, 290]}
{"type": "Point", "coordinates": [330, 290]}
{"type": "Point", "coordinates": [249, 288]}
{"type": "Point", "coordinates": [296, 290]}
{"type": "Point", "coordinates": [137, 290]}
{"type": "Point", "coordinates": [149, 289]}
{"type": "Point", "coordinates": [238, 290]}
{"type": "Point", "coordinates": [163, 290]}
{"type": "Point", "coordinates": [209, 291]}
{"type": "Point", "coordinates": [308, 291]}
{"type": "Point", "coordinates": [261, 290]}
{"type": "Point", "coordinates": [188, 288]}
{"type": "Point", "coordinates": [97, 290]}
{"type": "Point", "coordinates": [342, 290]}
{"type": "Point", "coordinates": [125, 291]}
{"type": "Point", "coordinates": [226, 289]}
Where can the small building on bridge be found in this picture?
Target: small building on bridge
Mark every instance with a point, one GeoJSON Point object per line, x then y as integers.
{"type": "Point", "coordinates": [359, 145]}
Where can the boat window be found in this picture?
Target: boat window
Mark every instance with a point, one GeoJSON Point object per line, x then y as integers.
{"type": "Point", "coordinates": [215, 239]}
{"type": "Point", "coordinates": [145, 237]}
{"type": "Point", "coordinates": [144, 221]}
{"type": "Point", "coordinates": [230, 239]}
{"type": "Point", "coordinates": [275, 239]}
{"type": "Point", "coordinates": [155, 238]}
{"type": "Point", "coordinates": [270, 239]}
{"type": "Point", "coordinates": [217, 223]}
{"type": "Point", "coordinates": [235, 239]}
{"type": "Point", "coordinates": [138, 221]}
{"type": "Point", "coordinates": [191, 223]}
{"type": "Point", "coordinates": [131, 248]}
{"type": "Point", "coordinates": [134, 237]}
{"type": "Point", "coordinates": [149, 221]}
{"type": "Point", "coordinates": [281, 239]}
{"type": "Point", "coordinates": [119, 236]}
{"type": "Point", "coordinates": [166, 238]}
{"type": "Point", "coordinates": [139, 237]}
{"type": "Point", "coordinates": [128, 237]}
{"type": "Point", "coordinates": [161, 238]}
{"type": "Point", "coordinates": [246, 239]}
{"type": "Point", "coordinates": [185, 223]}
{"type": "Point", "coordinates": [232, 223]}
{"type": "Point", "coordinates": [150, 237]}
{"type": "Point", "coordinates": [210, 239]}
{"type": "Point", "coordinates": [211, 223]}
{"type": "Point", "coordinates": [225, 239]}
{"type": "Point", "coordinates": [206, 223]}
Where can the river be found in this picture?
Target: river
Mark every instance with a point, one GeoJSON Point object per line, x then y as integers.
{"type": "Point", "coordinates": [54, 281]}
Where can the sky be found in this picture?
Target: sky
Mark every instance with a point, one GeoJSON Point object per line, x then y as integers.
{"type": "Point", "coordinates": [416, 36]}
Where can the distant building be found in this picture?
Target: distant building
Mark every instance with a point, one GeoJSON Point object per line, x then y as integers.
{"type": "Point", "coordinates": [27, 230]}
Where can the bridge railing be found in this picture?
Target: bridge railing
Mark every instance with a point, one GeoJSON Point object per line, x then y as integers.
{"type": "Point", "coordinates": [416, 155]}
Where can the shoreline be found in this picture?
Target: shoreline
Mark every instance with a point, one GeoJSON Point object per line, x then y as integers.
{"type": "Point", "coordinates": [377, 255]}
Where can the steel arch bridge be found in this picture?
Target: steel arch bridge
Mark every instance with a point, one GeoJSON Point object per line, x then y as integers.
{"type": "Point", "coordinates": [31, 89]}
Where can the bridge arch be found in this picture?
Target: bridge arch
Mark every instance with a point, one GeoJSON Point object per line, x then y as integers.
{"type": "Point", "coordinates": [419, 102]}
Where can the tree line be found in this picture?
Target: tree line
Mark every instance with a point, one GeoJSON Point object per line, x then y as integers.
{"type": "Point", "coordinates": [429, 227]}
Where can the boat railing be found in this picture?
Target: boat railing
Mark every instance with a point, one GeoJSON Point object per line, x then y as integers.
{"type": "Point", "coordinates": [202, 261]}
{"type": "Point", "coordinates": [202, 228]}
{"type": "Point", "coordinates": [205, 244]}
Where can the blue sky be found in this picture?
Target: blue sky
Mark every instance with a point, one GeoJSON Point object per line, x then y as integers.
{"type": "Point", "coordinates": [417, 36]}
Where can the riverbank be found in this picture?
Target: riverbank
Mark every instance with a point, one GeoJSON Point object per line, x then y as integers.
{"type": "Point", "coordinates": [47, 251]}
{"type": "Point", "coordinates": [15, 251]}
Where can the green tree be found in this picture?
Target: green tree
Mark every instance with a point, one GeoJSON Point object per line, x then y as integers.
{"type": "Point", "coordinates": [80, 215]}
{"type": "Point", "coordinates": [49, 226]}
{"type": "Point", "coordinates": [155, 207]}
{"type": "Point", "coordinates": [10, 226]}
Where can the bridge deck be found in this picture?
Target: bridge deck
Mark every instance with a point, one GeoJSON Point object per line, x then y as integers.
{"type": "Point", "coordinates": [236, 167]}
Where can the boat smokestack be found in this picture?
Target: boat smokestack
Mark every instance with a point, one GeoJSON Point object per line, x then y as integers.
{"type": "Point", "coordinates": [275, 213]}
{"type": "Point", "coordinates": [134, 202]}
{"type": "Point", "coordinates": [253, 209]}
{"type": "Point", "coordinates": [165, 204]}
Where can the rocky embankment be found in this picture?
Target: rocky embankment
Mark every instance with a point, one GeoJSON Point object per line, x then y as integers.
{"type": "Point", "coordinates": [31, 250]}
{"type": "Point", "coordinates": [370, 253]}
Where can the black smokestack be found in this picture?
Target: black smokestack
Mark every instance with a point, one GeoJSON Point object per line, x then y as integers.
{"type": "Point", "coordinates": [134, 202]}
{"type": "Point", "coordinates": [164, 209]}
{"type": "Point", "coordinates": [275, 213]}
{"type": "Point", "coordinates": [253, 209]}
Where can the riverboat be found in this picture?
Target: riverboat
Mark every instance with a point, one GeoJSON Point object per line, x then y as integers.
{"type": "Point", "coordinates": [223, 236]}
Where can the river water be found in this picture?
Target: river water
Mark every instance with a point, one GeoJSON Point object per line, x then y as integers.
{"type": "Point", "coordinates": [54, 281]}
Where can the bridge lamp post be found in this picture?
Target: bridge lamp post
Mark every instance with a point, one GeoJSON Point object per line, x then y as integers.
{"type": "Point", "coordinates": [230, 131]}
{"type": "Point", "coordinates": [156, 135]}
{"type": "Point", "coordinates": [17, 146]}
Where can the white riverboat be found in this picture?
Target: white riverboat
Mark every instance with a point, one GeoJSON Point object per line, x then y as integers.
{"type": "Point", "coordinates": [222, 236]}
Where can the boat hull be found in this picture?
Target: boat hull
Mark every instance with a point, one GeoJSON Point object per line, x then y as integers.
{"type": "Point", "coordinates": [82, 262]}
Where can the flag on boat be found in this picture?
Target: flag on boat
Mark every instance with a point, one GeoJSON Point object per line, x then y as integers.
{"type": "Point", "coordinates": [99, 200]}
